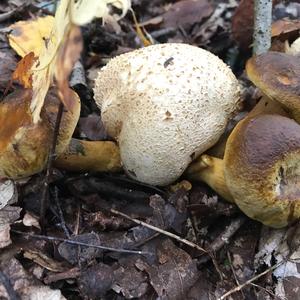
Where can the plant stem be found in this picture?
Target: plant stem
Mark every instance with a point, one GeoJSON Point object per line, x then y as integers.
{"type": "Point", "coordinates": [262, 26]}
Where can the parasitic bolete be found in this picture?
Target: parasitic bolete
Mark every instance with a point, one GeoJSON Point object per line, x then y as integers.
{"type": "Point", "coordinates": [165, 104]}
{"type": "Point", "coordinates": [260, 170]}
{"type": "Point", "coordinates": [277, 75]}
{"type": "Point", "coordinates": [25, 146]}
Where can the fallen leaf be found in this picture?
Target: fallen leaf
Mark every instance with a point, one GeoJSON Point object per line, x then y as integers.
{"type": "Point", "coordinates": [277, 245]}
{"type": "Point", "coordinates": [8, 215]}
{"type": "Point", "coordinates": [128, 280]}
{"type": "Point", "coordinates": [175, 274]}
{"type": "Point", "coordinates": [67, 55]}
{"type": "Point", "coordinates": [187, 12]}
{"type": "Point", "coordinates": [30, 36]}
{"type": "Point", "coordinates": [30, 220]}
{"type": "Point", "coordinates": [95, 281]}
{"type": "Point", "coordinates": [8, 193]}
{"type": "Point", "coordinates": [23, 73]}
{"type": "Point", "coordinates": [27, 287]}
{"type": "Point", "coordinates": [285, 26]}
{"type": "Point", "coordinates": [68, 14]}
{"type": "Point", "coordinates": [4, 236]}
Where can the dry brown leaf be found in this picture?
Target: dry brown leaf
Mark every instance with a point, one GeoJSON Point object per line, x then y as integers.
{"type": "Point", "coordinates": [68, 54]}
{"type": "Point", "coordinates": [23, 73]}
{"type": "Point", "coordinates": [285, 26]}
{"type": "Point", "coordinates": [69, 13]}
{"type": "Point", "coordinates": [24, 284]}
{"type": "Point", "coordinates": [30, 36]}
{"type": "Point", "coordinates": [187, 12]}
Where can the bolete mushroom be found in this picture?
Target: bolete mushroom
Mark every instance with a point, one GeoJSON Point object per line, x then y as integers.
{"type": "Point", "coordinates": [25, 146]}
{"type": "Point", "coordinates": [277, 75]}
{"type": "Point", "coordinates": [260, 171]}
{"type": "Point", "coordinates": [165, 105]}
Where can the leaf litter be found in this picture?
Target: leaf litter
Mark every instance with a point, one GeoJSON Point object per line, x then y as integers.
{"type": "Point", "coordinates": [33, 266]}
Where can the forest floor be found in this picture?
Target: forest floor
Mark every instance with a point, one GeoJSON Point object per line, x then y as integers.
{"type": "Point", "coordinates": [242, 258]}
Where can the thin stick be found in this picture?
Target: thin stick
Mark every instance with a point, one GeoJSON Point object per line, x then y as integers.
{"type": "Point", "coordinates": [262, 26]}
{"type": "Point", "coordinates": [241, 286]}
{"type": "Point", "coordinates": [72, 242]}
{"type": "Point", "coordinates": [60, 213]}
{"type": "Point", "coordinates": [157, 229]}
{"type": "Point", "coordinates": [45, 194]}
{"type": "Point", "coordinates": [229, 231]}
{"type": "Point", "coordinates": [8, 287]}
{"type": "Point", "coordinates": [233, 272]}
{"type": "Point", "coordinates": [224, 237]}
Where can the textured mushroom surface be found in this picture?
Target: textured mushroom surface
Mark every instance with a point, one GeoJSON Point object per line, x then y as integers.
{"type": "Point", "coordinates": [24, 146]}
{"type": "Point", "coordinates": [165, 105]}
{"type": "Point", "coordinates": [278, 76]}
{"type": "Point", "coordinates": [262, 168]}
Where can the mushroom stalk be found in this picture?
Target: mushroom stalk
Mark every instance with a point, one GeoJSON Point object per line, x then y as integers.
{"type": "Point", "coordinates": [210, 170]}
{"type": "Point", "coordinates": [84, 156]}
{"type": "Point", "coordinates": [262, 26]}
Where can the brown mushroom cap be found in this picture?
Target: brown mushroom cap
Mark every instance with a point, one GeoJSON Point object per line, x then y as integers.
{"type": "Point", "coordinates": [24, 146]}
{"type": "Point", "coordinates": [278, 76]}
{"type": "Point", "coordinates": [262, 168]}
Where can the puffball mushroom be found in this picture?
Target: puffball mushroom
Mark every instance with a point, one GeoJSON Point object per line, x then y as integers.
{"type": "Point", "coordinates": [260, 171]}
{"type": "Point", "coordinates": [165, 104]}
{"type": "Point", "coordinates": [277, 75]}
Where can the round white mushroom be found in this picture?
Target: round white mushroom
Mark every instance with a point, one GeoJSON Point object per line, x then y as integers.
{"type": "Point", "coordinates": [165, 104]}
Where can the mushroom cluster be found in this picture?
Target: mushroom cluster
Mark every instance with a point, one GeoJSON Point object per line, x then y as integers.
{"type": "Point", "coordinates": [25, 146]}
{"type": "Point", "coordinates": [260, 170]}
{"type": "Point", "coordinates": [165, 105]}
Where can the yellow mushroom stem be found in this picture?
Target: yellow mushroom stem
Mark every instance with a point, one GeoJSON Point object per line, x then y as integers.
{"type": "Point", "coordinates": [210, 170]}
{"type": "Point", "coordinates": [97, 156]}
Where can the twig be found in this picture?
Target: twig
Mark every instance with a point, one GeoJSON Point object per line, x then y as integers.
{"type": "Point", "coordinates": [7, 15]}
{"type": "Point", "coordinates": [241, 286]}
{"type": "Point", "coordinates": [45, 194]}
{"type": "Point", "coordinates": [77, 243]}
{"type": "Point", "coordinates": [233, 272]}
{"type": "Point", "coordinates": [229, 231]}
{"type": "Point", "coordinates": [60, 213]}
{"type": "Point", "coordinates": [8, 287]}
{"type": "Point", "coordinates": [224, 237]}
{"type": "Point", "coordinates": [72, 273]}
{"type": "Point", "coordinates": [157, 229]}
{"type": "Point", "coordinates": [262, 26]}
{"type": "Point", "coordinates": [77, 223]}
